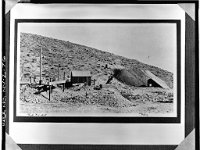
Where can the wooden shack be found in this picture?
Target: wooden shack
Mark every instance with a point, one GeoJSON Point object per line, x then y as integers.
{"type": "Point", "coordinates": [81, 77]}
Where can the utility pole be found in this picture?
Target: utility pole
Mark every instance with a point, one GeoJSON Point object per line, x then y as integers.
{"type": "Point", "coordinates": [40, 82]}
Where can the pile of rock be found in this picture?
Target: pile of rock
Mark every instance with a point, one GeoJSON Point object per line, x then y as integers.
{"type": "Point", "coordinates": [27, 95]}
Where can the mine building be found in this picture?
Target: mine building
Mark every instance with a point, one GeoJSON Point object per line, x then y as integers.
{"type": "Point", "coordinates": [81, 77]}
{"type": "Point", "coordinates": [154, 81]}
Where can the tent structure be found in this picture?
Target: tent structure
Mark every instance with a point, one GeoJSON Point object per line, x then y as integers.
{"type": "Point", "coordinates": [154, 80]}
{"type": "Point", "coordinates": [139, 78]}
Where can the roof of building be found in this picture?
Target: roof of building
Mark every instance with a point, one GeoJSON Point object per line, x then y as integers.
{"type": "Point", "coordinates": [116, 67]}
{"type": "Point", "coordinates": [156, 79]}
{"type": "Point", "coordinates": [81, 73]}
{"type": "Point", "coordinates": [57, 82]}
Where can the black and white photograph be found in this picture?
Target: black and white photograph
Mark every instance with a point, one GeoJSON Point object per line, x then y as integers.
{"type": "Point", "coordinates": [109, 74]}
{"type": "Point", "coordinates": [98, 68]}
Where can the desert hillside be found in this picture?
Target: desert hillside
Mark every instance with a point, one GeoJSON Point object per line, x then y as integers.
{"type": "Point", "coordinates": [73, 56]}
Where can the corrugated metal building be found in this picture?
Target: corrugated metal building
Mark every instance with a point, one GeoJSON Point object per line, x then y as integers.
{"type": "Point", "coordinates": [81, 77]}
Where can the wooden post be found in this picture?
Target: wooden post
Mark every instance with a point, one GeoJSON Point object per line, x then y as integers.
{"type": "Point", "coordinates": [64, 76]}
{"type": "Point", "coordinates": [22, 76]}
{"type": "Point", "coordinates": [49, 90]}
{"type": "Point", "coordinates": [34, 79]}
{"type": "Point", "coordinates": [58, 72]}
{"type": "Point", "coordinates": [64, 83]}
{"type": "Point", "coordinates": [40, 82]}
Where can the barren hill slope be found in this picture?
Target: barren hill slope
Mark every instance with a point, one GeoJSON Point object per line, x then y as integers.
{"type": "Point", "coordinates": [73, 56]}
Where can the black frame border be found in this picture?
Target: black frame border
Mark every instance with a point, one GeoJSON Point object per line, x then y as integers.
{"type": "Point", "coordinates": [190, 124]}
{"type": "Point", "coordinates": [88, 119]}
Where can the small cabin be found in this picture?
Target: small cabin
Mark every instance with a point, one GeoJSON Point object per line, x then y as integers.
{"type": "Point", "coordinates": [81, 77]}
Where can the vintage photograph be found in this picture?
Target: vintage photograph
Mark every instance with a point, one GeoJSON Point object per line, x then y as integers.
{"type": "Point", "coordinates": [97, 69]}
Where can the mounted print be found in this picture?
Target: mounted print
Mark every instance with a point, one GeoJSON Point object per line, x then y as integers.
{"type": "Point", "coordinates": [107, 74]}
{"type": "Point", "coordinates": [110, 70]}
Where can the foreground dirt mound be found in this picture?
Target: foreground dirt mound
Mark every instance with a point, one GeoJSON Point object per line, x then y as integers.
{"type": "Point", "coordinates": [149, 94]}
{"type": "Point", "coordinates": [112, 98]}
{"type": "Point", "coordinates": [27, 95]}
{"type": "Point", "coordinates": [107, 97]}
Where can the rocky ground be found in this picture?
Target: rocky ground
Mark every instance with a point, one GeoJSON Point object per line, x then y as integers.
{"type": "Point", "coordinates": [112, 98]}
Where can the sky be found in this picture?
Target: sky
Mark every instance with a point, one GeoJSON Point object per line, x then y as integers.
{"type": "Point", "coordinates": [150, 43]}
